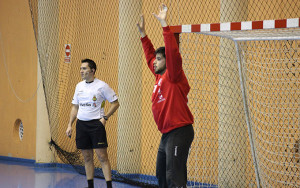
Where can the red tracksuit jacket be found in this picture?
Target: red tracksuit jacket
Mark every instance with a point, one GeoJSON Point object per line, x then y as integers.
{"type": "Point", "coordinates": [169, 97]}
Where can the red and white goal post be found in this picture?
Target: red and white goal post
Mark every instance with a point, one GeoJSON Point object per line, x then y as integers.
{"type": "Point", "coordinates": [245, 97]}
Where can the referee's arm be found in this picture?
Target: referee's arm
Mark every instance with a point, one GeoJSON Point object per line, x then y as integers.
{"type": "Point", "coordinates": [73, 115]}
{"type": "Point", "coordinates": [113, 107]}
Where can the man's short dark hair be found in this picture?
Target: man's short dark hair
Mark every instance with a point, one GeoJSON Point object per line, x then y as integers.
{"type": "Point", "coordinates": [161, 50]}
{"type": "Point", "coordinates": [91, 64]}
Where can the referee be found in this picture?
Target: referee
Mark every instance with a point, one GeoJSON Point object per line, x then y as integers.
{"type": "Point", "coordinates": [88, 106]}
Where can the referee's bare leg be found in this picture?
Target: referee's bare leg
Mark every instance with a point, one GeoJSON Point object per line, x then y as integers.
{"type": "Point", "coordinates": [106, 168]}
{"type": "Point", "coordinates": [88, 155]}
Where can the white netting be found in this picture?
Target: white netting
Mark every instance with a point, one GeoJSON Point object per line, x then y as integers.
{"type": "Point", "coordinates": [272, 81]}
{"type": "Point", "coordinates": [221, 148]}
{"type": "Point", "coordinates": [247, 108]}
{"type": "Point", "coordinates": [106, 32]}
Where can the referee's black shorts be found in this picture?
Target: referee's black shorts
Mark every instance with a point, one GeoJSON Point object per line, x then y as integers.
{"type": "Point", "coordinates": [90, 135]}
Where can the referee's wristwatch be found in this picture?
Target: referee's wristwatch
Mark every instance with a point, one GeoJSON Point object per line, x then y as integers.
{"type": "Point", "coordinates": [105, 117]}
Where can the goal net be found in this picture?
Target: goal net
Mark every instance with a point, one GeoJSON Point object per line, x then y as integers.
{"type": "Point", "coordinates": [244, 93]}
{"type": "Point", "coordinates": [245, 99]}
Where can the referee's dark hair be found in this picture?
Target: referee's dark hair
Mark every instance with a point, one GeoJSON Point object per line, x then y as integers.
{"type": "Point", "coordinates": [91, 63]}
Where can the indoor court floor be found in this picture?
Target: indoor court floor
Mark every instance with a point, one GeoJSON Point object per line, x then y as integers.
{"type": "Point", "coordinates": [18, 174]}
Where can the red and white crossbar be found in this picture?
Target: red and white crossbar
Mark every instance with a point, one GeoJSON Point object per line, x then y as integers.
{"type": "Point", "coordinates": [237, 26]}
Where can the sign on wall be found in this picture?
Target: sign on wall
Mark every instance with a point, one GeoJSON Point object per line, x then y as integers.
{"type": "Point", "coordinates": [67, 53]}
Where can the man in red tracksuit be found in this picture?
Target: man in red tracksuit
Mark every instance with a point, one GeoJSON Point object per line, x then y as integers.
{"type": "Point", "coordinates": [169, 105]}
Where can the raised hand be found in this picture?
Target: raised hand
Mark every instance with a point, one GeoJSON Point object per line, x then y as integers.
{"type": "Point", "coordinates": [141, 26]}
{"type": "Point", "coordinates": [162, 15]}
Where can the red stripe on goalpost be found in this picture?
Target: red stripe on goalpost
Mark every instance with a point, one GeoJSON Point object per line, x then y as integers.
{"type": "Point", "coordinates": [215, 27]}
{"type": "Point", "coordinates": [237, 26]}
{"type": "Point", "coordinates": [196, 28]}
{"type": "Point", "coordinates": [257, 25]}
{"type": "Point", "coordinates": [176, 29]}
{"type": "Point", "coordinates": [280, 23]}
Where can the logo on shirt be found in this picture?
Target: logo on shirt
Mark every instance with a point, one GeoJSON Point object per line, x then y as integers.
{"type": "Point", "coordinates": [94, 99]}
{"type": "Point", "coordinates": [159, 82]}
{"type": "Point", "coordinates": [154, 89]}
{"type": "Point", "coordinates": [84, 104]}
{"type": "Point", "coordinates": [160, 97]}
{"type": "Point", "coordinates": [102, 104]}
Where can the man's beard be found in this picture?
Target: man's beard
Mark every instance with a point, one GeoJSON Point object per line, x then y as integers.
{"type": "Point", "coordinates": [159, 71]}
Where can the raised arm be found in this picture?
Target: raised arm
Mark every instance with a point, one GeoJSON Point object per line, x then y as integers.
{"type": "Point", "coordinates": [141, 27]}
{"type": "Point", "coordinates": [148, 48]}
{"type": "Point", "coordinates": [162, 15]}
{"type": "Point", "coordinates": [173, 57]}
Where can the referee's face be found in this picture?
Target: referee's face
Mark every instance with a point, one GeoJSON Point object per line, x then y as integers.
{"type": "Point", "coordinates": [86, 72]}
